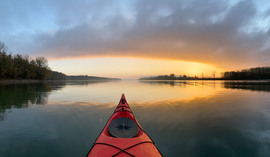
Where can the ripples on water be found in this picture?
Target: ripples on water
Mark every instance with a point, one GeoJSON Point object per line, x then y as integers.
{"type": "Point", "coordinates": [184, 118]}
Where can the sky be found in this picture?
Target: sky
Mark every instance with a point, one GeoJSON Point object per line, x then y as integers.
{"type": "Point", "coordinates": [135, 38]}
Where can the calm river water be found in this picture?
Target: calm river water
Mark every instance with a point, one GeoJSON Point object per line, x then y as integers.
{"type": "Point", "coordinates": [184, 118]}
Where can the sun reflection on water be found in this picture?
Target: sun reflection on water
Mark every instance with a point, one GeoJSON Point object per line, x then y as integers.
{"type": "Point", "coordinates": [135, 91]}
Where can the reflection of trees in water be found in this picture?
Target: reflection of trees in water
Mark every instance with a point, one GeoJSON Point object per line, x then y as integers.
{"type": "Point", "coordinates": [87, 82]}
{"type": "Point", "coordinates": [24, 95]}
{"type": "Point", "coordinates": [263, 86]}
{"type": "Point", "coordinates": [168, 82]}
{"type": "Point", "coordinates": [254, 86]}
{"type": "Point", "coordinates": [180, 83]}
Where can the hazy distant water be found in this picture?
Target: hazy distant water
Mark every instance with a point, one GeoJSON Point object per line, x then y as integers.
{"type": "Point", "coordinates": [184, 118]}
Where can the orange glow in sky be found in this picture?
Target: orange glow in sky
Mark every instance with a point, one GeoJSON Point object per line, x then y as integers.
{"type": "Point", "coordinates": [132, 39]}
{"type": "Point", "coordinates": [131, 67]}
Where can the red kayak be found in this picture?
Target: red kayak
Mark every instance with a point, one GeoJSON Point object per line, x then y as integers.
{"type": "Point", "coordinates": [123, 136]}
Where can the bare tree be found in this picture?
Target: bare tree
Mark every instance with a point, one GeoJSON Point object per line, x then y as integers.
{"type": "Point", "coordinates": [3, 48]}
{"type": "Point", "coordinates": [214, 74]}
{"type": "Point", "coordinates": [42, 62]}
{"type": "Point", "coordinates": [172, 75]}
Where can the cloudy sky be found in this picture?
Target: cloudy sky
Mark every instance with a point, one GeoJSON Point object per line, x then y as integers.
{"type": "Point", "coordinates": [133, 38]}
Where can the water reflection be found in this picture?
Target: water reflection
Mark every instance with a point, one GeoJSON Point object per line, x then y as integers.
{"type": "Point", "coordinates": [263, 86]}
{"type": "Point", "coordinates": [27, 94]}
{"type": "Point", "coordinates": [87, 82]}
{"type": "Point", "coordinates": [23, 95]}
{"type": "Point", "coordinates": [223, 125]}
{"type": "Point", "coordinates": [184, 118]}
{"type": "Point", "coordinates": [245, 85]}
{"type": "Point", "coordinates": [171, 83]}
{"type": "Point", "coordinates": [182, 83]}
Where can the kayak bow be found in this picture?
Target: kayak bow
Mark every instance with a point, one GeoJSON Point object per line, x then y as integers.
{"type": "Point", "coordinates": [123, 136]}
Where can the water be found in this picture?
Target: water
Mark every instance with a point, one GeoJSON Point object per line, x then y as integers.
{"type": "Point", "coordinates": [184, 118]}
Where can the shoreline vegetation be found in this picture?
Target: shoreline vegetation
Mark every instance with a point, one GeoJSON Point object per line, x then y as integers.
{"type": "Point", "coordinates": [258, 73]}
{"type": "Point", "coordinates": [24, 69]}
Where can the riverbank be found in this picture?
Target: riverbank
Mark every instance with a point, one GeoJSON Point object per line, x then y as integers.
{"type": "Point", "coordinates": [201, 79]}
{"type": "Point", "coordinates": [23, 81]}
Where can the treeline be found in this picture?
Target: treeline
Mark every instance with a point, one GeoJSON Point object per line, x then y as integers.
{"type": "Point", "coordinates": [86, 77]}
{"type": "Point", "coordinates": [57, 76]}
{"type": "Point", "coordinates": [23, 67]}
{"type": "Point", "coordinates": [18, 67]}
{"type": "Point", "coordinates": [170, 77]}
{"type": "Point", "coordinates": [248, 74]}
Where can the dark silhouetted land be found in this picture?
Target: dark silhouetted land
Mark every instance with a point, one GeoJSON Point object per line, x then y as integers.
{"type": "Point", "coordinates": [248, 74]}
{"type": "Point", "coordinates": [19, 67]}
{"type": "Point", "coordinates": [15, 68]}
{"type": "Point", "coordinates": [258, 73]}
{"type": "Point", "coordinates": [86, 77]}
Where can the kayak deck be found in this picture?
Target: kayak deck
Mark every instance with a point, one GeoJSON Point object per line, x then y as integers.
{"type": "Point", "coordinates": [114, 141]}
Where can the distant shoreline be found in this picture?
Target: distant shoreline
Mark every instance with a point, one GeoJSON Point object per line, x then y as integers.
{"type": "Point", "coordinates": [200, 79]}
{"type": "Point", "coordinates": [257, 73]}
{"type": "Point", "coordinates": [25, 81]}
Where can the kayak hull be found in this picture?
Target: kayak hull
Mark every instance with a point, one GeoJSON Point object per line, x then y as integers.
{"type": "Point", "coordinates": [107, 146]}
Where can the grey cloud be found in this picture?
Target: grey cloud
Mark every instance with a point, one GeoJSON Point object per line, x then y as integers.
{"type": "Point", "coordinates": [204, 31]}
{"type": "Point", "coordinates": [267, 12]}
